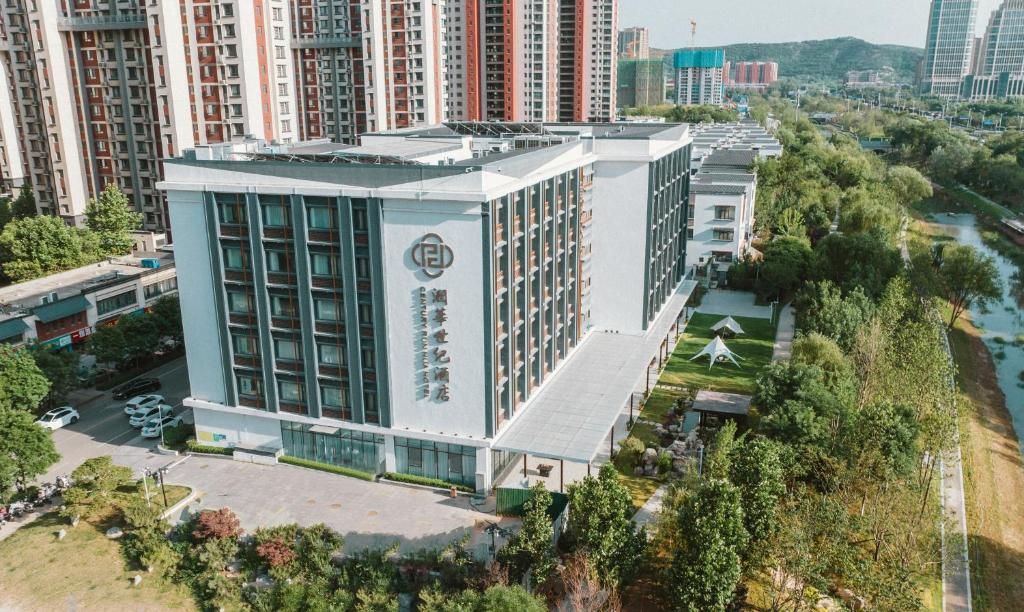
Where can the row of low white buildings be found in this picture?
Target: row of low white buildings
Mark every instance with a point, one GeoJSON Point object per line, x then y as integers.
{"type": "Point", "coordinates": [723, 192]}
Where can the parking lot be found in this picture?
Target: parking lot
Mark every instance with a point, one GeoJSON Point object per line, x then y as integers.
{"type": "Point", "coordinates": [104, 429]}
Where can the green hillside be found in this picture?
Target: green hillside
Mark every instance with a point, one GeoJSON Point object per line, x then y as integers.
{"type": "Point", "coordinates": [826, 59]}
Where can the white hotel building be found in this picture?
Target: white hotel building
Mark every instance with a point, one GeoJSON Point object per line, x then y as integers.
{"type": "Point", "coordinates": [434, 301]}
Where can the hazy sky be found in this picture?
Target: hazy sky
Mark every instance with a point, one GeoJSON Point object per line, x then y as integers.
{"type": "Point", "coordinates": [721, 22]}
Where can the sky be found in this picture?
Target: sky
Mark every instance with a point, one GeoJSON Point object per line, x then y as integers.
{"type": "Point", "coordinates": [723, 22]}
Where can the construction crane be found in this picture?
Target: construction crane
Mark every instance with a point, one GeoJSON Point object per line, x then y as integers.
{"type": "Point", "coordinates": [693, 34]}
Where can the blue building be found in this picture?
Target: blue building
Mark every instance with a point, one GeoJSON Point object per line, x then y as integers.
{"type": "Point", "coordinates": [700, 76]}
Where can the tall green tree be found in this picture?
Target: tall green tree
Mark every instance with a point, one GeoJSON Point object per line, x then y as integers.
{"type": "Point", "coordinates": [112, 219]}
{"type": "Point", "coordinates": [61, 369]}
{"type": "Point", "coordinates": [166, 313]}
{"type": "Point", "coordinates": [757, 469]}
{"type": "Point", "coordinates": [821, 308]}
{"type": "Point", "coordinates": [36, 246]}
{"type": "Point", "coordinates": [908, 184]}
{"type": "Point", "coordinates": [600, 525]}
{"type": "Point", "coordinates": [530, 549]}
{"type": "Point", "coordinates": [706, 563]}
{"type": "Point", "coordinates": [109, 345]}
{"type": "Point", "coordinates": [967, 278]}
{"type": "Point", "coordinates": [26, 450]}
{"type": "Point", "coordinates": [22, 384]}
{"type": "Point", "coordinates": [141, 335]}
{"type": "Point", "coordinates": [786, 262]}
{"type": "Point", "coordinates": [95, 487]}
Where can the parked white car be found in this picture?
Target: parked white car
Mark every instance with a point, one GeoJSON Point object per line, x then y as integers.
{"type": "Point", "coordinates": [153, 426]}
{"type": "Point", "coordinates": [154, 412]}
{"type": "Point", "coordinates": [59, 417]}
{"type": "Point", "coordinates": [142, 403]}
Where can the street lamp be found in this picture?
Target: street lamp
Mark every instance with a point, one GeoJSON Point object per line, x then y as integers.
{"type": "Point", "coordinates": [162, 472]}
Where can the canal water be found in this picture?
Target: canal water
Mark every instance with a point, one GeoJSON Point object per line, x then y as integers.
{"type": "Point", "coordinates": [1003, 326]}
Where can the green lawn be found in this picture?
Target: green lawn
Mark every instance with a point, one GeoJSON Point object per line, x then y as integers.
{"type": "Point", "coordinates": [755, 347]}
{"type": "Point", "coordinates": [85, 571]}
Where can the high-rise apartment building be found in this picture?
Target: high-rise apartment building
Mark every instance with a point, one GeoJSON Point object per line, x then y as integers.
{"type": "Point", "coordinates": [948, 47]}
{"type": "Point", "coordinates": [700, 76]}
{"type": "Point", "coordinates": [634, 44]}
{"type": "Point", "coordinates": [752, 75]}
{"type": "Point", "coordinates": [92, 93]}
{"type": "Point", "coordinates": [1002, 49]}
{"type": "Point", "coordinates": [404, 306]}
{"type": "Point", "coordinates": [640, 83]}
{"type": "Point", "coordinates": [530, 61]}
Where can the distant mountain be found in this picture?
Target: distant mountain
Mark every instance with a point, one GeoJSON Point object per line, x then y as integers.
{"type": "Point", "coordinates": [827, 59]}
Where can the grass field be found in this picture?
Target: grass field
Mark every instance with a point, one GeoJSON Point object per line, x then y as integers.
{"type": "Point", "coordinates": [85, 571]}
{"type": "Point", "coordinates": [755, 347]}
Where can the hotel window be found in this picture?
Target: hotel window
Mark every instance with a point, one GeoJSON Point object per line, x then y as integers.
{"type": "Point", "coordinates": [369, 359]}
{"type": "Point", "coordinates": [326, 310]}
{"type": "Point", "coordinates": [723, 234]}
{"type": "Point", "coordinates": [233, 258]}
{"type": "Point", "coordinates": [239, 302]}
{"type": "Point", "coordinates": [333, 397]}
{"type": "Point", "coordinates": [324, 264]}
{"type": "Point", "coordinates": [244, 345]}
{"type": "Point", "coordinates": [290, 391]}
{"type": "Point", "coordinates": [363, 267]}
{"type": "Point", "coordinates": [282, 306]}
{"type": "Point", "coordinates": [366, 314]}
{"type": "Point", "coordinates": [230, 208]}
{"type": "Point", "coordinates": [275, 215]}
{"type": "Point", "coordinates": [321, 217]}
{"type": "Point", "coordinates": [450, 462]}
{"type": "Point", "coordinates": [331, 354]}
{"type": "Point", "coordinates": [287, 350]}
{"type": "Point", "coordinates": [278, 261]}
{"type": "Point", "coordinates": [249, 385]}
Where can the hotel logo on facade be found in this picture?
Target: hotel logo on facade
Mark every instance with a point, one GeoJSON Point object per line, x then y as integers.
{"type": "Point", "coordinates": [432, 255]}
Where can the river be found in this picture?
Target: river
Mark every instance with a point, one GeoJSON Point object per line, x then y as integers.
{"type": "Point", "coordinates": [1003, 325]}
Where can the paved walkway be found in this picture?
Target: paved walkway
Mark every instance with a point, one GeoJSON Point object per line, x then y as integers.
{"type": "Point", "coordinates": [367, 514]}
{"type": "Point", "coordinates": [734, 303]}
{"type": "Point", "coordinates": [647, 514]}
{"type": "Point", "coordinates": [784, 334]}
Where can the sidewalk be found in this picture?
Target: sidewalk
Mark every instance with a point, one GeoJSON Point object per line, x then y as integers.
{"type": "Point", "coordinates": [784, 334]}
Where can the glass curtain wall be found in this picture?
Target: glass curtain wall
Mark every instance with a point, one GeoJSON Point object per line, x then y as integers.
{"type": "Point", "coordinates": [345, 448]}
{"type": "Point", "coordinates": [449, 462]}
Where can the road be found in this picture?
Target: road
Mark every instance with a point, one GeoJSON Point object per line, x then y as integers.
{"type": "Point", "coordinates": [104, 429]}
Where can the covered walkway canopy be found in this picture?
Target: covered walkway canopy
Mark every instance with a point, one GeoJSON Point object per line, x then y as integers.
{"type": "Point", "coordinates": [574, 412]}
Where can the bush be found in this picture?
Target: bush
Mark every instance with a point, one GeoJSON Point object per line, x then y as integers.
{"type": "Point", "coordinates": [196, 447]}
{"type": "Point", "coordinates": [427, 482]}
{"type": "Point", "coordinates": [326, 467]}
{"type": "Point", "coordinates": [276, 552]}
{"type": "Point", "coordinates": [149, 548]}
{"type": "Point", "coordinates": [217, 525]}
{"type": "Point", "coordinates": [175, 437]}
{"type": "Point", "coordinates": [664, 462]}
{"type": "Point", "coordinates": [631, 449]}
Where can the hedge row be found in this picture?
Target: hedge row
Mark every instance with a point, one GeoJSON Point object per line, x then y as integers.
{"type": "Point", "coordinates": [427, 482]}
{"type": "Point", "coordinates": [326, 467]}
{"type": "Point", "coordinates": [196, 447]}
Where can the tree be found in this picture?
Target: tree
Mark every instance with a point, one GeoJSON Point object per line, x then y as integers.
{"type": "Point", "coordinates": [94, 487]}
{"type": "Point", "coordinates": [141, 336]}
{"type": "Point", "coordinates": [22, 384]}
{"type": "Point", "coordinates": [815, 349]}
{"type": "Point", "coordinates": [967, 278]}
{"type": "Point", "coordinates": [530, 549]}
{"type": "Point", "coordinates": [61, 369]}
{"type": "Point", "coordinates": [908, 185]}
{"type": "Point", "coordinates": [864, 260]}
{"type": "Point", "coordinates": [600, 526]}
{"type": "Point", "coordinates": [26, 450]}
{"type": "Point", "coordinates": [884, 440]}
{"type": "Point", "coordinates": [217, 525]}
{"type": "Point", "coordinates": [949, 162]}
{"type": "Point", "coordinates": [112, 219]}
{"type": "Point", "coordinates": [719, 456]}
{"type": "Point", "coordinates": [758, 472]}
{"type": "Point", "coordinates": [786, 262]}
{"type": "Point", "coordinates": [821, 308]}
{"type": "Point", "coordinates": [706, 563]}
{"type": "Point", "coordinates": [25, 204]}
{"type": "Point", "coordinates": [108, 344]}
{"type": "Point", "coordinates": [36, 246]}
{"type": "Point", "coordinates": [497, 598]}
{"type": "Point", "coordinates": [166, 312]}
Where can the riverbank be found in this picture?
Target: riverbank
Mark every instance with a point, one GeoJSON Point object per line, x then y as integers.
{"type": "Point", "coordinates": [993, 474]}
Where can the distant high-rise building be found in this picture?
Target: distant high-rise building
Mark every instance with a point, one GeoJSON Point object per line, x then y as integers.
{"type": "Point", "coordinates": [634, 44]}
{"type": "Point", "coordinates": [978, 54]}
{"type": "Point", "coordinates": [700, 76]}
{"type": "Point", "coordinates": [950, 41]}
{"type": "Point", "coordinates": [752, 75]}
{"type": "Point", "coordinates": [586, 62]}
{"type": "Point", "coordinates": [641, 83]}
{"type": "Point", "coordinates": [1002, 49]}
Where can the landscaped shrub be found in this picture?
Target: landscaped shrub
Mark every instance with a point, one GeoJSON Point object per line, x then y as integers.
{"type": "Point", "coordinates": [176, 436]}
{"type": "Point", "coordinates": [631, 449]}
{"type": "Point", "coordinates": [196, 447]}
{"type": "Point", "coordinates": [428, 482]}
{"type": "Point", "coordinates": [664, 462]}
{"type": "Point", "coordinates": [326, 467]}
{"type": "Point", "coordinates": [217, 525]}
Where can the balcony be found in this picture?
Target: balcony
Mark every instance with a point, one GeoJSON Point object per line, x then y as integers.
{"type": "Point", "coordinates": [327, 42]}
{"type": "Point", "coordinates": [101, 22]}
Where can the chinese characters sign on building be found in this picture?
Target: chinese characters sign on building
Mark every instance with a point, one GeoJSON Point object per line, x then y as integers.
{"type": "Point", "coordinates": [434, 361]}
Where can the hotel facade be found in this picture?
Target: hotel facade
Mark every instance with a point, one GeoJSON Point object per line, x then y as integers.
{"type": "Point", "coordinates": [422, 310]}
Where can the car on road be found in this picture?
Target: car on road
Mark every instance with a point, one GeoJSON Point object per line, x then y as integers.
{"type": "Point", "coordinates": [142, 403]}
{"type": "Point", "coordinates": [59, 417]}
{"type": "Point", "coordinates": [139, 418]}
{"type": "Point", "coordinates": [153, 426]}
{"type": "Point", "coordinates": [136, 387]}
